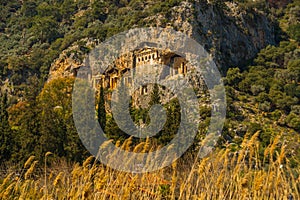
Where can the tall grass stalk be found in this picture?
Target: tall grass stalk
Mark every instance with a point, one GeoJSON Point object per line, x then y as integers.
{"type": "Point", "coordinates": [243, 174]}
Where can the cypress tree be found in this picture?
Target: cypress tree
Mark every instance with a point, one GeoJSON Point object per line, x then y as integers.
{"type": "Point", "coordinates": [155, 98]}
{"type": "Point", "coordinates": [5, 131]}
{"type": "Point", "coordinates": [101, 109]}
{"type": "Point", "coordinates": [113, 131]}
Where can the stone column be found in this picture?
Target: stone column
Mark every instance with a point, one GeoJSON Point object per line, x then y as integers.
{"type": "Point", "coordinates": [110, 83]}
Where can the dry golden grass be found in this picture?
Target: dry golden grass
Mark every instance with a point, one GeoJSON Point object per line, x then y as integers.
{"type": "Point", "coordinates": [222, 175]}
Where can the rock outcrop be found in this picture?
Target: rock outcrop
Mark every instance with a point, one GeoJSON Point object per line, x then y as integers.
{"type": "Point", "coordinates": [231, 35]}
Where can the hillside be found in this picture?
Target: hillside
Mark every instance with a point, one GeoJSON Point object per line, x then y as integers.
{"type": "Point", "coordinates": [255, 45]}
{"type": "Point", "coordinates": [35, 34]}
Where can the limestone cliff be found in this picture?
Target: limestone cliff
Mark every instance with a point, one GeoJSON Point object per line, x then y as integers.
{"type": "Point", "coordinates": [230, 34]}
{"type": "Point", "coordinates": [69, 61]}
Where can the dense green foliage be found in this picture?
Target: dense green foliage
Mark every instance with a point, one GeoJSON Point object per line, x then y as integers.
{"type": "Point", "coordinates": [291, 20]}
{"type": "Point", "coordinates": [44, 123]}
{"type": "Point", "coordinates": [5, 131]}
{"type": "Point", "coordinates": [273, 80]}
{"type": "Point", "coordinates": [141, 117]}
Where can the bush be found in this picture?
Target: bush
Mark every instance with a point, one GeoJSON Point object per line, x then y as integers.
{"type": "Point", "coordinates": [294, 32]}
{"type": "Point", "coordinates": [254, 127]}
{"type": "Point", "coordinates": [293, 121]}
{"type": "Point", "coordinates": [275, 115]}
{"type": "Point", "coordinates": [262, 97]}
{"type": "Point", "coordinates": [265, 106]}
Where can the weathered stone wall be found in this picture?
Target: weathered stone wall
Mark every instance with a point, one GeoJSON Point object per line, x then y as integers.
{"type": "Point", "coordinates": [137, 67]}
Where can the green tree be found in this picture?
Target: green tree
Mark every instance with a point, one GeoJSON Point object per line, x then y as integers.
{"type": "Point", "coordinates": [294, 32]}
{"type": "Point", "coordinates": [57, 129]}
{"type": "Point", "coordinates": [25, 121]}
{"type": "Point", "coordinates": [45, 28]}
{"type": "Point", "coordinates": [99, 10]}
{"type": "Point", "coordinates": [29, 8]}
{"type": "Point", "coordinates": [233, 77]}
{"type": "Point", "coordinates": [293, 121]}
{"type": "Point", "coordinates": [113, 130]}
{"type": "Point", "coordinates": [172, 124]}
{"type": "Point", "coordinates": [5, 130]}
{"type": "Point", "coordinates": [44, 10]}
{"type": "Point", "coordinates": [154, 99]}
{"type": "Point", "coordinates": [67, 10]}
{"type": "Point", "coordinates": [155, 96]}
{"type": "Point", "coordinates": [101, 109]}
{"type": "Point", "coordinates": [293, 68]}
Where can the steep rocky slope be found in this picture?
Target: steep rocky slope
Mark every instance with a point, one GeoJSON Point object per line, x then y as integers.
{"type": "Point", "coordinates": [231, 35]}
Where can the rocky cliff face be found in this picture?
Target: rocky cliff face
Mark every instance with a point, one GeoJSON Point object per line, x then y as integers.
{"type": "Point", "coordinates": [231, 35]}
{"type": "Point", "coordinates": [68, 62]}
